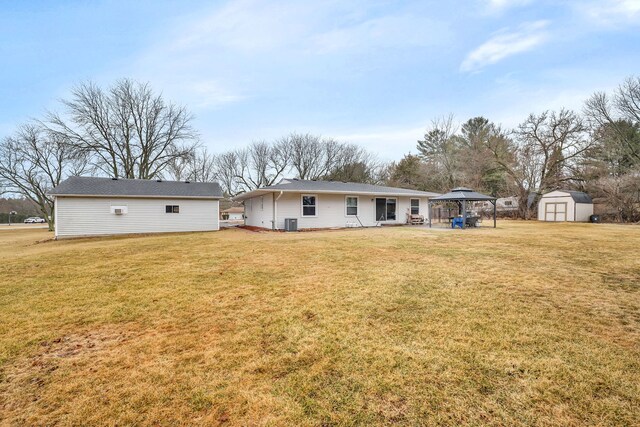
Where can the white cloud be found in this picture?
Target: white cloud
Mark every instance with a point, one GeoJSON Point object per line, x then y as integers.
{"type": "Point", "coordinates": [611, 12]}
{"type": "Point", "coordinates": [407, 30]}
{"type": "Point", "coordinates": [505, 44]}
{"type": "Point", "coordinates": [249, 25]}
{"type": "Point", "coordinates": [210, 94]}
{"type": "Point", "coordinates": [499, 5]}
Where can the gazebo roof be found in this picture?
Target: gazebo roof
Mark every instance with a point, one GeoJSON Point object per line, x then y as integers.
{"type": "Point", "coordinates": [462, 193]}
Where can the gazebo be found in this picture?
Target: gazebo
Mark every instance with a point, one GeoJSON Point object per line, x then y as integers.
{"type": "Point", "coordinates": [461, 196]}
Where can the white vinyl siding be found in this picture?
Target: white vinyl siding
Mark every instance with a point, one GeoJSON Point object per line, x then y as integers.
{"type": "Point", "coordinates": [259, 217]}
{"type": "Point", "coordinates": [331, 210]}
{"type": "Point", "coordinates": [92, 216]}
{"type": "Point", "coordinates": [583, 211]}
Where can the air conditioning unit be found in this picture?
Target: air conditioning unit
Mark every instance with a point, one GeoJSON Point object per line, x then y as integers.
{"type": "Point", "coordinates": [118, 211]}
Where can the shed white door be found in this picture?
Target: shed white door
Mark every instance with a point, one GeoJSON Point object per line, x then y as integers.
{"type": "Point", "coordinates": [555, 211]}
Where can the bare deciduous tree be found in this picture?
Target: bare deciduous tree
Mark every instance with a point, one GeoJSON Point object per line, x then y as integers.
{"type": "Point", "coordinates": [554, 142]}
{"type": "Point", "coordinates": [614, 114]}
{"type": "Point", "coordinates": [261, 164]}
{"type": "Point", "coordinates": [33, 161]}
{"type": "Point", "coordinates": [440, 148]}
{"type": "Point", "coordinates": [126, 131]}
{"type": "Point", "coordinates": [226, 166]}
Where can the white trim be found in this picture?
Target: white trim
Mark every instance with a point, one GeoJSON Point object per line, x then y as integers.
{"type": "Point", "coordinates": [315, 206]}
{"type": "Point", "coordinates": [346, 206]}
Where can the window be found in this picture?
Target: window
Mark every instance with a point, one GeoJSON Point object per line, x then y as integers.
{"type": "Point", "coordinates": [415, 206]}
{"type": "Point", "coordinates": [308, 205]}
{"type": "Point", "coordinates": [261, 203]}
{"type": "Point", "coordinates": [508, 203]}
{"type": "Point", "coordinates": [172, 209]}
{"type": "Point", "coordinates": [352, 206]}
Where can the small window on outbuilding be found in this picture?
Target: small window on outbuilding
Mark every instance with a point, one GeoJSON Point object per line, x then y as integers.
{"type": "Point", "coordinates": [172, 209]}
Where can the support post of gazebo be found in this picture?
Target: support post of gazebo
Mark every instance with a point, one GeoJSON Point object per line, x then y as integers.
{"type": "Point", "coordinates": [464, 214]}
{"type": "Point", "coordinates": [494, 213]}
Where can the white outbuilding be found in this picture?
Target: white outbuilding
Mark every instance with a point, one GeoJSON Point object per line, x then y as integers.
{"type": "Point", "coordinates": [88, 206]}
{"type": "Point", "coordinates": [565, 205]}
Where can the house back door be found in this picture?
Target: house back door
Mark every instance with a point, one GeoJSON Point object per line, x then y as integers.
{"type": "Point", "coordinates": [381, 209]}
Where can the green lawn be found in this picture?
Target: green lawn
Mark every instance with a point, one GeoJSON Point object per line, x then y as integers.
{"type": "Point", "coordinates": [527, 324]}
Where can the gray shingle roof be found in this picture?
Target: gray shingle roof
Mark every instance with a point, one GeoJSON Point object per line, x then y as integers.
{"type": "Point", "coordinates": [462, 193]}
{"type": "Point", "coordinates": [301, 185]}
{"type": "Point", "coordinates": [578, 196]}
{"type": "Point", "coordinates": [90, 186]}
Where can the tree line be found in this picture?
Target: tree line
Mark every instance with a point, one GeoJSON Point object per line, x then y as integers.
{"type": "Point", "coordinates": [596, 150]}
{"type": "Point", "coordinates": [127, 130]}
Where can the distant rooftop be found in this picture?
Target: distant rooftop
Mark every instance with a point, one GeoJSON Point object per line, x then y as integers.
{"type": "Point", "coordinates": [105, 187]}
{"type": "Point", "coordinates": [234, 209]}
{"type": "Point", "coordinates": [340, 187]}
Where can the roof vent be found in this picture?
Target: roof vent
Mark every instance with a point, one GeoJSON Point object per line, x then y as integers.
{"type": "Point", "coordinates": [158, 180]}
{"type": "Point", "coordinates": [187, 182]}
{"type": "Point", "coordinates": [114, 179]}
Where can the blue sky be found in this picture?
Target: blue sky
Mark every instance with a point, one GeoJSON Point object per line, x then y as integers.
{"type": "Point", "coordinates": [370, 72]}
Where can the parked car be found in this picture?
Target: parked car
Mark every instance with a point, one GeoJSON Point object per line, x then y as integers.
{"type": "Point", "coordinates": [34, 220]}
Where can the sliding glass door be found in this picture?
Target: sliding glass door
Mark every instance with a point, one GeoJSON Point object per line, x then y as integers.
{"type": "Point", "coordinates": [385, 209]}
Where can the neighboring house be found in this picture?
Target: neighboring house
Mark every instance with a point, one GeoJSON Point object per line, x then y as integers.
{"type": "Point", "coordinates": [86, 206]}
{"type": "Point", "coordinates": [235, 213]}
{"type": "Point", "coordinates": [507, 204]}
{"type": "Point", "coordinates": [565, 205]}
{"type": "Point", "coordinates": [503, 204]}
{"type": "Point", "coordinates": [331, 204]}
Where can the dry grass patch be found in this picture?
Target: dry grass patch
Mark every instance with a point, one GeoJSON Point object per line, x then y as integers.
{"type": "Point", "coordinates": [529, 324]}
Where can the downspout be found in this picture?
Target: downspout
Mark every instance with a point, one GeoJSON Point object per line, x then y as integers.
{"type": "Point", "coordinates": [55, 217]}
{"type": "Point", "coordinates": [275, 211]}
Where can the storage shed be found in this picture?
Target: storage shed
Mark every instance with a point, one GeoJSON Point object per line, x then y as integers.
{"type": "Point", "coordinates": [88, 206]}
{"type": "Point", "coordinates": [565, 205]}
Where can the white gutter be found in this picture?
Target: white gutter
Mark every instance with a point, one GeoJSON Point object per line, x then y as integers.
{"type": "Point", "coordinates": [255, 193]}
